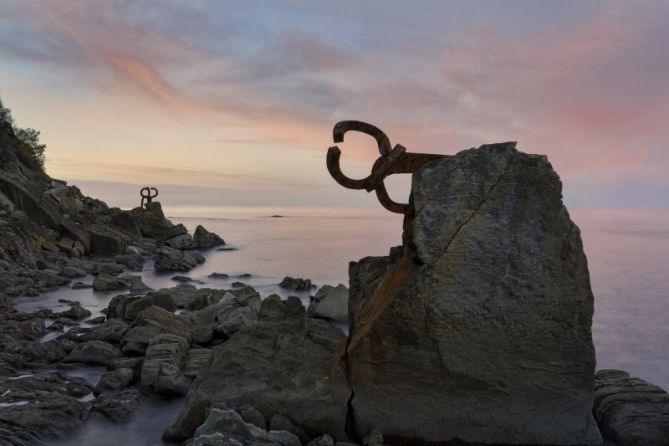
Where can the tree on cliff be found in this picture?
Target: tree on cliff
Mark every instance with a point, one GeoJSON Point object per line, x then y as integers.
{"type": "Point", "coordinates": [29, 137]}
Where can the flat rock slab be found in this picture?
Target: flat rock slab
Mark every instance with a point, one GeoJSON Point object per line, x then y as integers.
{"type": "Point", "coordinates": [630, 410]}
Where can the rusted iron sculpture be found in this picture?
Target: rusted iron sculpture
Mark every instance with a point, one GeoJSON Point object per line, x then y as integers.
{"type": "Point", "coordinates": [148, 194]}
{"type": "Point", "coordinates": [390, 161]}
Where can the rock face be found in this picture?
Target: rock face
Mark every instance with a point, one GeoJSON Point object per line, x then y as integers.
{"type": "Point", "coordinates": [630, 410]}
{"type": "Point", "coordinates": [483, 335]}
{"type": "Point", "coordinates": [283, 365]}
{"type": "Point", "coordinates": [203, 239]}
{"type": "Point", "coordinates": [170, 259]}
{"type": "Point", "coordinates": [330, 303]}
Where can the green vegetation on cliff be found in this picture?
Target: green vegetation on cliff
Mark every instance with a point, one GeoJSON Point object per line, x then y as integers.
{"type": "Point", "coordinates": [30, 151]}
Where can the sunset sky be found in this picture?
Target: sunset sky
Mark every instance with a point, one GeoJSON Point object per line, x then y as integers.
{"type": "Point", "coordinates": [228, 103]}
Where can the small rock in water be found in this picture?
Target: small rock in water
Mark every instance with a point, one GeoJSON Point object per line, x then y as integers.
{"type": "Point", "coordinates": [81, 286]}
{"type": "Point", "coordinates": [239, 285]}
{"type": "Point", "coordinates": [243, 276]}
{"type": "Point", "coordinates": [218, 276]}
{"type": "Point", "coordinates": [182, 279]}
{"type": "Point", "coordinates": [296, 284]}
{"type": "Point", "coordinates": [203, 239]}
{"type": "Point", "coordinates": [76, 312]}
{"type": "Point", "coordinates": [96, 320]}
{"type": "Point", "coordinates": [105, 282]}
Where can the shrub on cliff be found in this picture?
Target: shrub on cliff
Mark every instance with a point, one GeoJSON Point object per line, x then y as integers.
{"type": "Point", "coordinates": [30, 151]}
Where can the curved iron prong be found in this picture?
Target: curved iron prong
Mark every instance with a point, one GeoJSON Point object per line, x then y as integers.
{"type": "Point", "coordinates": [334, 154]}
{"type": "Point", "coordinates": [382, 140]}
{"type": "Point", "coordinates": [387, 202]}
{"type": "Point", "coordinates": [155, 194]}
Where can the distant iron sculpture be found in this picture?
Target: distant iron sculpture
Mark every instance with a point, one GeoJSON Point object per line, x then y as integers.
{"type": "Point", "coordinates": [148, 194]}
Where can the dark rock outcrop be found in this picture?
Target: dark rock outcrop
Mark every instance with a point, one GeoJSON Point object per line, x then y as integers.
{"type": "Point", "coordinates": [203, 239]}
{"type": "Point", "coordinates": [491, 314]}
{"type": "Point", "coordinates": [283, 364]}
{"type": "Point", "coordinates": [297, 284]}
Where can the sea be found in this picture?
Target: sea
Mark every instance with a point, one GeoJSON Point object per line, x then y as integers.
{"type": "Point", "coordinates": [628, 259]}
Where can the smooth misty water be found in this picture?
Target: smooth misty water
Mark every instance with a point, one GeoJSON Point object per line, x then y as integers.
{"type": "Point", "coordinates": [628, 256]}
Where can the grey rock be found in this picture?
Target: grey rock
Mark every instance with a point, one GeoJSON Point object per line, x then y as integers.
{"type": "Point", "coordinates": [96, 320]}
{"type": "Point", "coordinates": [183, 241]}
{"type": "Point", "coordinates": [296, 284]}
{"type": "Point", "coordinates": [81, 286]}
{"type": "Point", "coordinates": [493, 316]}
{"type": "Point", "coordinates": [152, 322]}
{"type": "Point", "coordinates": [162, 371]}
{"type": "Point", "coordinates": [131, 260]}
{"type": "Point", "coordinates": [253, 416]}
{"type": "Point", "coordinates": [115, 380]}
{"type": "Point", "coordinates": [111, 269]}
{"type": "Point", "coordinates": [129, 306]}
{"type": "Point", "coordinates": [198, 359]}
{"type": "Point", "coordinates": [106, 241]}
{"type": "Point", "coordinates": [373, 438]}
{"type": "Point", "coordinates": [117, 406]}
{"type": "Point", "coordinates": [203, 239]}
{"type": "Point", "coordinates": [330, 303]}
{"type": "Point", "coordinates": [103, 282]}
{"type": "Point", "coordinates": [231, 318]}
{"type": "Point", "coordinates": [323, 440]}
{"type": "Point", "coordinates": [112, 331]}
{"type": "Point", "coordinates": [218, 276]}
{"type": "Point", "coordinates": [631, 411]}
{"type": "Point", "coordinates": [170, 259]}
{"type": "Point", "coordinates": [93, 352]}
{"type": "Point", "coordinates": [283, 365]}
{"type": "Point", "coordinates": [72, 272]}
{"type": "Point", "coordinates": [76, 312]}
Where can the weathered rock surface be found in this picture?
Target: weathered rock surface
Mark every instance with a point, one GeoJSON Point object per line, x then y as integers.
{"type": "Point", "coordinates": [297, 284]}
{"type": "Point", "coordinates": [163, 368]}
{"type": "Point", "coordinates": [330, 303]}
{"type": "Point", "coordinates": [93, 352]}
{"type": "Point", "coordinates": [41, 406]}
{"type": "Point", "coordinates": [485, 337]}
{"type": "Point", "coordinates": [225, 427]}
{"type": "Point", "coordinates": [631, 411]}
{"type": "Point", "coordinates": [117, 406]}
{"type": "Point", "coordinates": [104, 282]}
{"type": "Point", "coordinates": [203, 239]}
{"type": "Point", "coordinates": [283, 365]}
{"type": "Point", "coordinates": [129, 306]}
{"type": "Point", "coordinates": [170, 259]}
{"type": "Point", "coordinates": [154, 321]}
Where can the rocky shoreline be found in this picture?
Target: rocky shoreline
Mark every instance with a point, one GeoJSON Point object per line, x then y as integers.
{"type": "Point", "coordinates": [262, 370]}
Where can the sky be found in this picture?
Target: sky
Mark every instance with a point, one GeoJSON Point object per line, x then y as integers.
{"type": "Point", "coordinates": [232, 103]}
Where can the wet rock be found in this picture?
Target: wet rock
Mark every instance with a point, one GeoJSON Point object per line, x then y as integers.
{"type": "Point", "coordinates": [76, 312]}
{"type": "Point", "coordinates": [128, 306]}
{"type": "Point", "coordinates": [115, 380]}
{"type": "Point", "coordinates": [111, 330]}
{"type": "Point", "coordinates": [253, 416]}
{"type": "Point", "coordinates": [170, 259]}
{"type": "Point", "coordinates": [182, 279]}
{"type": "Point", "coordinates": [104, 282]}
{"type": "Point", "coordinates": [110, 269]}
{"type": "Point", "coordinates": [198, 359]}
{"type": "Point", "coordinates": [93, 352]}
{"type": "Point", "coordinates": [203, 239]}
{"type": "Point", "coordinates": [323, 440]}
{"type": "Point", "coordinates": [117, 406]}
{"type": "Point", "coordinates": [106, 241]}
{"type": "Point", "coordinates": [232, 318]}
{"type": "Point", "coordinates": [492, 315]}
{"type": "Point", "coordinates": [373, 438]}
{"type": "Point", "coordinates": [183, 241]}
{"type": "Point", "coordinates": [137, 285]}
{"type": "Point", "coordinates": [330, 303]}
{"type": "Point", "coordinates": [154, 321]}
{"type": "Point", "coordinates": [227, 427]}
{"type": "Point", "coordinates": [283, 365]}
{"type": "Point", "coordinates": [218, 276]}
{"type": "Point", "coordinates": [131, 261]}
{"type": "Point", "coordinates": [53, 382]}
{"type": "Point", "coordinates": [72, 272]}
{"type": "Point", "coordinates": [162, 371]}
{"type": "Point", "coordinates": [96, 320]}
{"type": "Point", "coordinates": [631, 411]}
{"type": "Point", "coordinates": [296, 284]}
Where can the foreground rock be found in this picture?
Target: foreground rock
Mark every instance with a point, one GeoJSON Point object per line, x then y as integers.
{"type": "Point", "coordinates": [170, 259]}
{"type": "Point", "coordinates": [330, 303]}
{"type": "Point", "coordinates": [42, 406]}
{"type": "Point", "coordinates": [203, 239]}
{"type": "Point", "coordinates": [297, 284]}
{"type": "Point", "coordinates": [631, 411]}
{"type": "Point", "coordinates": [282, 364]}
{"type": "Point", "coordinates": [492, 316]}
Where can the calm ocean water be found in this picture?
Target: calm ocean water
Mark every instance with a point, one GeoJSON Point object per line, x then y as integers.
{"type": "Point", "coordinates": [628, 257]}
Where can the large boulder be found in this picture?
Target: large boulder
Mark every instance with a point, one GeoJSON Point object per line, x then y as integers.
{"type": "Point", "coordinates": [203, 239]}
{"type": "Point", "coordinates": [330, 303]}
{"type": "Point", "coordinates": [481, 332]}
{"type": "Point", "coordinates": [106, 241]}
{"type": "Point", "coordinates": [631, 411]}
{"type": "Point", "coordinates": [163, 368]}
{"type": "Point", "coordinates": [282, 365]}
